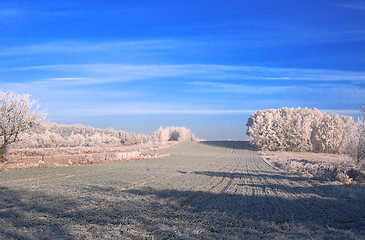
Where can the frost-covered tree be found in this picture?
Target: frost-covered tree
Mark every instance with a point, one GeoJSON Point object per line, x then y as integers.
{"type": "Point", "coordinates": [356, 141]}
{"type": "Point", "coordinates": [51, 135]}
{"type": "Point", "coordinates": [299, 129]}
{"type": "Point", "coordinates": [282, 129]}
{"type": "Point", "coordinates": [61, 135]}
{"type": "Point", "coordinates": [179, 134]}
{"type": "Point", "coordinates": [94, 140]}
{"type": "Point", "coordinates": [16, 117]}
{"type": "Point", "coordinates": [331, 133]}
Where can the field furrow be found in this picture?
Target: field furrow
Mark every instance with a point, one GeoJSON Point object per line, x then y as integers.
{"type": "Point", "coordinates": [208, 190]}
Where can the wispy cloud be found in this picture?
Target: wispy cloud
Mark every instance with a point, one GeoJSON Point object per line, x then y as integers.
{"type": "Point", "coordinates": [7, 13]}
{"type": "Point", "coordinates": [241, 88]}
{"type": "Point", "coordinates": [147, 108]}
{"type": "Point", "coordinates": [357, 6]}
{"type": "Point", "coordinates": [69, 93]}
{"type": "Point", "coordinates": [38, 12]}
{"type": "Point", "coordinates": [87, 47]}
{"type": "Point", "coordinates": [342, 111]}
{"type": "Point", "coordinates": [64, 79]}
{"type": "Point", "coordinates": [71, 81]}
{"type": "Point", "coordinates": [90, 89]}
{"type": "Point", "coordinates": [124, 72]}
{"type": "Point", "coordinates": [108, 101]}
{"type": "Point", "coordinates": [152, 110]}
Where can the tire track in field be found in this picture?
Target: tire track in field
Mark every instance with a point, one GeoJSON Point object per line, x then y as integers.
{"type": "Point", "coordinates": [283, 196]}
{"type": "Point", "coordinates": [298, 199]}
{"type": "Point", "coordinates": [226, 178]}
{"type": "Point", "coordinates": [222, 181]}
{"type": "Point", "coordinates": [199, 192]}
{"type": "Point", "coordinates": [175, 177]}
{"type": "Point", "coordinates": [216, 183]}
{"type": "Point", "coordinates": [271, 199]}
{"type": "Point", "coordinates": [284, 190]}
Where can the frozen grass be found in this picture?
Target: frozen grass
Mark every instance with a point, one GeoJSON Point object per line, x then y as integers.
{"type": "Point", "coordinates": [201, 191]}
{"type": "Point", "coordinates": [321, 166]}
{"type": "Point", "coordinates": [48, 157]}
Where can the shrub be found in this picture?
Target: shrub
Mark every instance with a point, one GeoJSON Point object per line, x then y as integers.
{"type": "Point", "coordinates": [290, 129]}
{"type": "Point", "coordinates": [356, 141]}
{"type": "Point", "coordinates": [180, 134]}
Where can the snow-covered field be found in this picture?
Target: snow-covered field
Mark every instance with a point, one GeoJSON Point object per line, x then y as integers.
{"type": "Point", "coordinates": [213, 190]}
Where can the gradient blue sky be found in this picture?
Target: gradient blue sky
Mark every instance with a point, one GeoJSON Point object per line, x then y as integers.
{"type": "Point", "coordinates": [207, 65]}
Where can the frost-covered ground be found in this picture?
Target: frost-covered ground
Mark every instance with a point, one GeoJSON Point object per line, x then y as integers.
{"type": "Point", "coordinates": [321, 166]}
{"type": "Point", "coordinates": [63, 156]}
{"type": "Point", "coordinates": [208, 190]}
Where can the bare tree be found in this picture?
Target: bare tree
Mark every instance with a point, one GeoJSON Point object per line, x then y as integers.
{"type": "Point", "coordinates": [15, 117]}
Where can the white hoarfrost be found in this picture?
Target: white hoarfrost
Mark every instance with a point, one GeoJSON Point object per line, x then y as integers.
{"type": "Point", "coordinates": [356, 141]}
{"type": "Point", "coordinates": [60, 135]}
{"type": "Point", "coordinates": [323, 166]}
{"type": "Point", "coordinates": [16, 118]}
{"type": "Point", "coordinates": [290, 129]}
{"type": "Point", "coordinates": [179, 134]}
{"type": "Point", "coordinates": [51, 135]}
{"type": "Point", "coordinates": [25, 134]}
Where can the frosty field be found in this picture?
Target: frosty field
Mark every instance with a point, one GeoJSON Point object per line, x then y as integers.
{"type": "Point", "coordinates": [208, 190]}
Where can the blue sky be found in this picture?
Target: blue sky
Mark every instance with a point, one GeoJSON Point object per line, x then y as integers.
{"type": "Point", "coordinates": [207, 65]}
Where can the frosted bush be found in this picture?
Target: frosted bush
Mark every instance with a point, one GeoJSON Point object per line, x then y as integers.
{"type": "Point", "coordinates": [290, 129]}
{"type": "Point", "coordinates": [323, 166]}
{"type": "Point", "coordinates": [356, 141]}
{"type": "Point", "coordinates": [49, 135]}
{"type": "Point", "coordinates": [179, 134]}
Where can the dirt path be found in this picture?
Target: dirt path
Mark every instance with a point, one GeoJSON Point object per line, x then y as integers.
{"type": "Point", "coordinates": [214, 190]}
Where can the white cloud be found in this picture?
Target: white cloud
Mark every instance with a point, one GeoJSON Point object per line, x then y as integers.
{"type": "Point", "coordinates": [357, 6]}
{"type": "Point", "coordinates": [70, 81]}
{"type": "Point", "coordinates": [7, 13]}
{"type": "Point", "coordinates": [123, 72]}
{"type": "Point", "coordinates": [241, 88]}
{"type": "Point", "coordinates": [147, 108]}
{"type": "Point", "coordinates": [68, 94]}
{"type": "Point", "coordinates": [65, 79]}
{"type": "Point", "coordinates": [342, 111]}
{"type": "Point", "coordinates": [141, 109]}
{"type": "Point", "coordinates": [87, 47]}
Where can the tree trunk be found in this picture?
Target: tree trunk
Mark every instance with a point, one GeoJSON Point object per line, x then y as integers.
{"type": "Point", "coordinates": [2, 154]}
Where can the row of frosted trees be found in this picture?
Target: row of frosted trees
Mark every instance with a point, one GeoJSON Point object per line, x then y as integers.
{"type": "Point", "coordinates": [311, 130]}
{"type": "Point", "coordinates": [18, 122]}
{"type": "Point", "coordinates": [59, 135]}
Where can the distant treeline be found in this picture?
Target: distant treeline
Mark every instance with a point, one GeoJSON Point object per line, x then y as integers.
{"type": "Point", "coordinates": [50, 135]}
